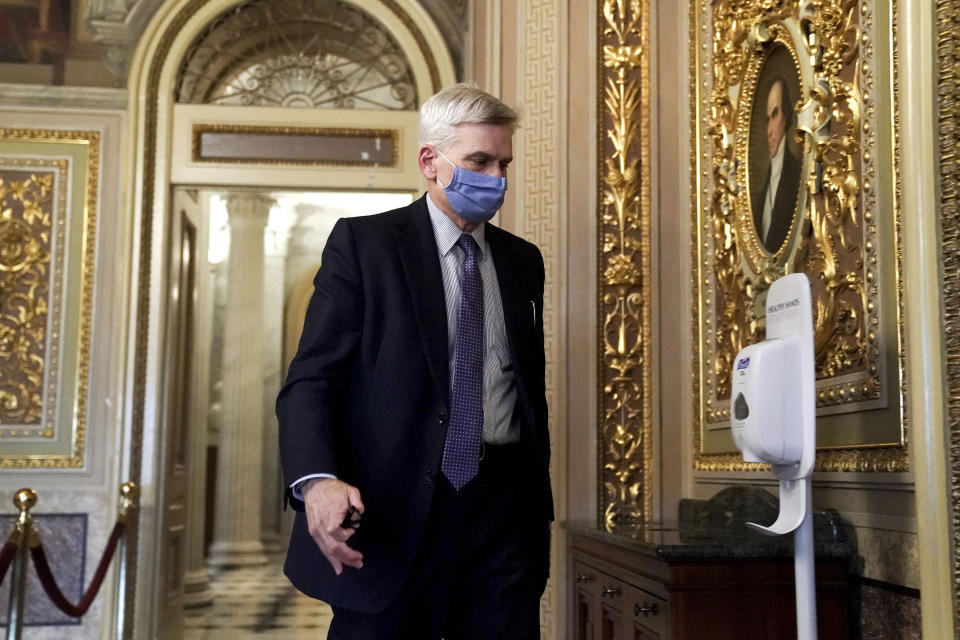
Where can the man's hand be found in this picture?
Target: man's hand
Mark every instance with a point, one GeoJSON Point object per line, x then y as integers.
{"type": "Point", "coordinates": [326, 501]}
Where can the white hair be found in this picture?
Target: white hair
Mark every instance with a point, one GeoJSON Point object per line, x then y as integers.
{"type": "Point", "coordinates": [456, 105]}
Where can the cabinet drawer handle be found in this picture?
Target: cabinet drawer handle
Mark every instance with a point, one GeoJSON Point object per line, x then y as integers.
{"type": "Point", "coordinates": [610, 591]}
{"type": "Point", "coordinates": [583, 578]}
{"type": "Point", "coordinates": [645, 609]}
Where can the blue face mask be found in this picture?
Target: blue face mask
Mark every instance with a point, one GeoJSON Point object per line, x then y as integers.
{"type": "Point", "coordinates": [476, 197]}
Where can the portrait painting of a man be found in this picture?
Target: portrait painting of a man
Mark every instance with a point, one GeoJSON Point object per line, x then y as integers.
{"type": "Point", "coordinates": [775, 161]}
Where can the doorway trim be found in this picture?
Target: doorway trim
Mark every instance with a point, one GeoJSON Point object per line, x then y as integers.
{"type": "Point", "coordinates": [152, 79]}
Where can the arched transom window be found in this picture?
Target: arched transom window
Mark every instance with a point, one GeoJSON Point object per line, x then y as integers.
{"type": "Point", "coordinates": [297, 53]}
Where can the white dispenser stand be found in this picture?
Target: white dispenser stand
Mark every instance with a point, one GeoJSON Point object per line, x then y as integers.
{"type": "Point", "coordinates": [773, 420]}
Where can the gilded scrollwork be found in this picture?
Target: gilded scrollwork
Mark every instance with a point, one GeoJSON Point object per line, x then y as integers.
{"type": "Point", "coordinates": [26, 235]}
{"type": "Point", "coordinates": [833, 236]}
{"type": "Point", "coordinates": [625, 448]}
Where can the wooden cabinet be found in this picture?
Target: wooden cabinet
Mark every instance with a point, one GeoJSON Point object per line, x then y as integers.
{"type": "Point", "coordinates": [610, 606]}
{"type": "Point", "coordinates": [647, 617]}
{"type": "Point", "coordinates": [630, 590]}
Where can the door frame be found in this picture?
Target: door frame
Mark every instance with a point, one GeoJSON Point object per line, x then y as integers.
{"type": "Point", "coordinates": [151, 150]}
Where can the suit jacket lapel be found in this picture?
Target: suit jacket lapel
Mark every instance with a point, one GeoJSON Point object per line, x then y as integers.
{"type": "Point", "coordinates": [421, 266]}
{"type": "Point", "coordinates": [758, 204]}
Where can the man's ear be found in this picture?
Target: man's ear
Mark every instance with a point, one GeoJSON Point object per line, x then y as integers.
{"type": "Point", "coordinates": [425, 157]}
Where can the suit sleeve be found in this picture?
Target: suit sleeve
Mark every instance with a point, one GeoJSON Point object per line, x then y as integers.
{"type": "Point", "coordinates": [310, 404]}
{"type": "Point", "coordinates": [540, 397]}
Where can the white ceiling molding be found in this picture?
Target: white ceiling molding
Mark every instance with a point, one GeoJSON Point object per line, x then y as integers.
{"type": "Point", "coordinates": [118, 25]}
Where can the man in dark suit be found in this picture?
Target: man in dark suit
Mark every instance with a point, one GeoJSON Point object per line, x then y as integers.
{"type": "Point", "coordinates": [774, 203]}
{"type": "Point", "coordinates": [416, 407]}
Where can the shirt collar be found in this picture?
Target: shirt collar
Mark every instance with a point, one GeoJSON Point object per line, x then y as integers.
{"type": "Point", "coordinates": [447, 232]}
{"type": "Point", "coordinates": [776, 163]}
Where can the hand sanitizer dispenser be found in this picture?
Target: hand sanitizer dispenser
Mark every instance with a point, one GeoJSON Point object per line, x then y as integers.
{"type": "Point", "coordinates": [764, 416]}
{"type": "Point", "coordinates": [772, 417]}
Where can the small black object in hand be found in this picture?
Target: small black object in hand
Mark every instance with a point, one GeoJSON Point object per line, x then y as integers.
{"type": "Point", "coordinates": [352, 519]}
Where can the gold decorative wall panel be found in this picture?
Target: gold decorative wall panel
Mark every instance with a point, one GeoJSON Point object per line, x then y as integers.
{"type": "Point", "coordinates": [948, 27]}
{"type": "Point", "coordinates": [48, 199]}
{"type": "Point", "coordinates": [27, 234]}
{"type": "Point", "coordinates": [625, 447]}
{"type": "Point", "coordinates": [794, 143]}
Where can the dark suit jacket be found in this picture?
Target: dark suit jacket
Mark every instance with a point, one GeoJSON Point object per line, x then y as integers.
{"type": "Point", "coordinates": [367, 395]}
{"type": "Point", "coordinates": [784, 204]}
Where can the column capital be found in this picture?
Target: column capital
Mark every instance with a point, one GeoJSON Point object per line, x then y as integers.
{"type": "Point", "coordinates": [278, 232]}
{"type": "Point", "coordinates": [249, 207]}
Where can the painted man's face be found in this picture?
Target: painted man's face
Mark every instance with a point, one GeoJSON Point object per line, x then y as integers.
{"type": "Point", "coordinates": [776, 119]}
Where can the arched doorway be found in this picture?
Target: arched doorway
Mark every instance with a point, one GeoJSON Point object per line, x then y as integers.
{"type": "Point", "coordinates": [244, 101]}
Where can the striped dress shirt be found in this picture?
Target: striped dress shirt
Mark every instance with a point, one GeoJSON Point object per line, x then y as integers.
{"type": "Point", "coordinates": [499, 384]}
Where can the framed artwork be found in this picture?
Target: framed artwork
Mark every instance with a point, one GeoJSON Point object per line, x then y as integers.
{"type": "Point", "coordinates": [775, 153]}
{"type": "Point", "coordinates": [794, 142]}
{"type": "Point", "coordinates": [48, 204]}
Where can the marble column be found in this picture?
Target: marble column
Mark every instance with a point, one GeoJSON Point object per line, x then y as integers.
{"type": "Point", "coordinates": [240, 475]}
{"type": "Point", "coordinates": [275, 249]}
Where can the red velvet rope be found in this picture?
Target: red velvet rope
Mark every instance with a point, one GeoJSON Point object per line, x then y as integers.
{"type": "Point", "coordinates": [50, 583]}
{"type": "Point", "coordinates": [6, 557]}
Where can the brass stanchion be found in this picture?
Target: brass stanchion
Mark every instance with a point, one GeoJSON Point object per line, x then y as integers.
{"type": "Point", "coordinates": [25, 537]}
{"type": "Point", "coordinates": [129, 493]}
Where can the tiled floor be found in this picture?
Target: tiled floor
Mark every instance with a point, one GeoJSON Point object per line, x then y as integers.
{"type": "Point", "coordinates": [257, 603]}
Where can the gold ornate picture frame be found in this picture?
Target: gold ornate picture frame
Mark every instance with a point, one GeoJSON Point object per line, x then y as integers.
{"type": "Point", "coordinates": [794, 139]}
{"type": "Point", "coordinates": [48, 203]}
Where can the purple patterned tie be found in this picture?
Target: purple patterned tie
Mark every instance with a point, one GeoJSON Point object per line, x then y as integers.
{"type": "Point", "coordinates": [461, 451]}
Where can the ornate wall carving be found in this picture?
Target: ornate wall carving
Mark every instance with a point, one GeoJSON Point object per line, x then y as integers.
{"type": "Point", "coordinates": [28, 213]}
{"type": "Point", "coordinates": [624, 440]}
